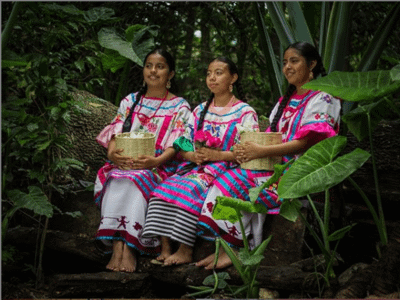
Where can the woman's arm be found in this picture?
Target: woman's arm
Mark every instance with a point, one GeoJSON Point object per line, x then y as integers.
{"type": "Point", "coordinates": [115, 155]}
{"type": "Point", "coordinates": [208, 154]}
{"type": "Point", "coordinates": [250, 150]}
{"type": "Point", "coordinates": [149, 162]}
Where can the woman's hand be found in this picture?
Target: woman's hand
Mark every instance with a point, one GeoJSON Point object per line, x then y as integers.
{"type": "Point", "coordinates": [144, 162]}
{"type": "Point", "coordinates": [208, 154]}
{"type": "Point", "coordinates": [116, 156]}
{"type": "Point", "coordinates": [247, 151]}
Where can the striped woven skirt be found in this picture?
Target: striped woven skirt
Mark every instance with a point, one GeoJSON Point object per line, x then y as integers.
{"type": "Point", "coordinates": [169, 220]}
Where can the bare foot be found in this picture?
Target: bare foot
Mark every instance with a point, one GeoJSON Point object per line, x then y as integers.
{"type": "Point", "coordinates": [206, 261]}
{"type": "Point", "coordinates": [224, 261]}
{"type": "Point", "coordinates": [182, 256]}
{"type": "Point", "coordinates": [128, 262]}
{"type": "Point", "coordinates": [166, 250]}
{"type": "Point", "coordinates": [116, 257]}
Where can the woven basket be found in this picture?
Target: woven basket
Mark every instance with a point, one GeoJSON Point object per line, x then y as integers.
{"type": "Point", "coordinates": [262, 138]}
{"type": "Point", "coordinates": [136, 146]}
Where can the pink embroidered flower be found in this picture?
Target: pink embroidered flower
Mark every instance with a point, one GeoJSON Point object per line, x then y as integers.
{"type": "Point", "coordinates": [151, 127]}
{"type": "Point", "coordinates": [317, 116]}
{"type": "Point", "coordinates": [179, 124]}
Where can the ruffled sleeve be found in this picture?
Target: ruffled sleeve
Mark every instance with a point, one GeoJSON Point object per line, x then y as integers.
{"type": "Point", "coordinates": [321, 118]}
{"type": "Point", "coordinates": [178, 123]}
{"type": "Point", "coordinates": [116, 124]}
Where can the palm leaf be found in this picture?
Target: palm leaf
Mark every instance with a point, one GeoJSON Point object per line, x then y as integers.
{"type": "Point", "coordinates": [356, 86]}
{"type": "Point", "coordinates": [336, 36]}
{"type": "Point", "coordinates": [266, 45]}
{"type": "Point", "coordinates": [299, 24]}
{"type": "Point", "coordinates": [317, 171]}
{"type": "Point", "coordinates": [282, 28]}
{"type": "Point", "coordinates": [379, 41]}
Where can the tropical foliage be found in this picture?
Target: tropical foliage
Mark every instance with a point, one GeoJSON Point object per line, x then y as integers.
{"type": "Point", "coordinates": [51, 48]}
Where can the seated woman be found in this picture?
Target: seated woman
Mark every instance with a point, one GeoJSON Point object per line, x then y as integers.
{"type": "Point", "coordinates": [304, 117]}
{"type": "Point", "coordinates": [175, 204]}
{"type": "Point", "coordinates": [124, 184]}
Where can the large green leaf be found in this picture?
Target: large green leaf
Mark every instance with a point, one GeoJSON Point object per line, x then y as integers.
{"type": "Point", "coordinates": [289, 209]}
{"type": "Point", "coordinates": [112, 60]}
{"type": "Point", "coordinates": [298, 21]}
{"type": "Point", "coordinates": [108, 38]}
{"type": "Point", "coordinates": [339, 23]}
{"type": "Point", "coordinates": [227, 208]}
{"type": "Point", "coordinates": [282, 28]}
{"type": "Point", "coordinates": [143, 40]}
{"type": "Point", "coordinates": [266, 46]}
{"type": "Point", "coordinates": [317, 171]}
{"type": "Point", "coordinates": [35, 200]}
{"type": "Point", "coordinates": [357, 119]}
{"type": "Point", "coordinates": [356, 86]}
{"type": "Point", "coordinates": [278, 171]}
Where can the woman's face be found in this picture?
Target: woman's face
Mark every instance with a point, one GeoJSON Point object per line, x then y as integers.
{"type": "Point", "coordinates": [156, 71]}
{"type": "Point", "coordinates": [295, 68]}
{"type": "Point", "coordinates": [219, 78]}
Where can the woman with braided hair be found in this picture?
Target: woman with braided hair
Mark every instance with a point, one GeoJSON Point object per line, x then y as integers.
{"type": "Point", "coordinates": [176, 203]}
{"type": "Point", "coordinates": [304, 117]}
{"type": "Point", "coordinates": [124, 184]}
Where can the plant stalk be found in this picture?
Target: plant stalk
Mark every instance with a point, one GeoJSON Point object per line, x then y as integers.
{"type": "Point", "coordinates": [384, 239]}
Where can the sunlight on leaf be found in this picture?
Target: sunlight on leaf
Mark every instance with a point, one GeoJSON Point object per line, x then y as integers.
{"type": "Point", "coordinates": [356, 86]}
{"type": "Point", "coordinates": [317, 171]}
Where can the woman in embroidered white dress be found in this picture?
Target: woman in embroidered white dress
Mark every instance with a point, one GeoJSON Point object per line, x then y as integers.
{"type": "Point", "coordinates": [304, 117]}
{"type": "Point", "coordinates": [123, 185]}
{"type": "Point", "coordinates": [211, 132]}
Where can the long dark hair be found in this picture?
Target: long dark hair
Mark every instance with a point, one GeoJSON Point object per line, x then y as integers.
{"type": "Point", "coordinates": [233, 70]}
{"type": "Point", "coordinates": [310, 53]}
{"type": "Point", "coordinates": [142, 91]}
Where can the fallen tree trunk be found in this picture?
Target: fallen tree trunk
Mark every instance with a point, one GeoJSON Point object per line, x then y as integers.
{"type": "Point", "coordinates": [291, 277]}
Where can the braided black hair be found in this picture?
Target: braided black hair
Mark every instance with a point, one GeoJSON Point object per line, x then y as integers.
{"type": "Point", "coordinates": [310, 53]}
{"type": "Point", "coordinates": [233, 70]}
{"type": "Point", "coordinates": [171, 64]}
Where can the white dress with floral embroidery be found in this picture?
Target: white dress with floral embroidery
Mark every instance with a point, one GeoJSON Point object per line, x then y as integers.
{"type": "Point", "coordinates": [123, 195]}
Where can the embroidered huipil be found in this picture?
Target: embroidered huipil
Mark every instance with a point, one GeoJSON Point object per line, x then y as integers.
{"type": "Point", "coordinates": [189, 190]}
{"type": "Point", "coordinates": [315, 115]}
{"type": "Point", "coordinates": [122, 189]}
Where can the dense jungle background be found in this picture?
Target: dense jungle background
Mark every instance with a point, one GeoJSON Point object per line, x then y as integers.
{"type": "Point", "coordinates": [67, 65]}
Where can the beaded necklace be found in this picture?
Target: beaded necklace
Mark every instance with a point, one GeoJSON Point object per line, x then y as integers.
{"type": "Point", "coordinates": [223, 109]}
{"type": "Point", "coordinates": [146, 119]}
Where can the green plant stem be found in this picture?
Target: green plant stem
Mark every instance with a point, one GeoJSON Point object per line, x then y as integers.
{"type": "Point", "coordinates": [39, 271]}
{"type": "Point", "coordinates": [384, 238]}
{"type": "Point", "coordinates": [5, 35]}
{"type": "Point", "coordinates": [312, 231]}
{"type": "Point", "coordinates": [327, 212]}
{"type": "Point", "coordinates": [377, 222]}
{"type": "Point", "coordinates": [245, 241]}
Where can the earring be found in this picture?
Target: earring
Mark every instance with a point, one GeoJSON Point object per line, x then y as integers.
{"type": "Point", "coordinates": [168, 86]}
{"type": "Point", "coordinates": [311, 75]}
{"type": "Point", "coordinates": [144, 83]}
{"type": "Point", "coordinates": [231, 87]}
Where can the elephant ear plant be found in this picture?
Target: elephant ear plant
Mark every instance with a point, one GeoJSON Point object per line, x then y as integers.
{"type": "Point", "coordinates": [371, 92]}
{"type": "Point", "coordinates": [318, 170]}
